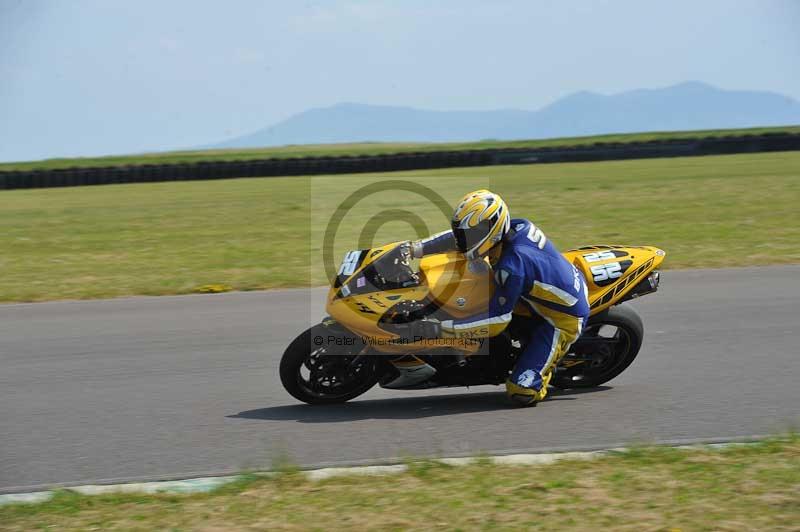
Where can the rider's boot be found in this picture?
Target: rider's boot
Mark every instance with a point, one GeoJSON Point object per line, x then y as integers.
{"type": "Point", "coordinates": [530, 388]}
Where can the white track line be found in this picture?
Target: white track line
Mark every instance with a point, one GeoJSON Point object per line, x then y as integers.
{"type": "Point", "coordinates": [206, 484]}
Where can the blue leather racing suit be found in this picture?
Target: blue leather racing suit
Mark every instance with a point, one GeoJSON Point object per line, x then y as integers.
{"type": "Point", "coordinates": [531, 273]}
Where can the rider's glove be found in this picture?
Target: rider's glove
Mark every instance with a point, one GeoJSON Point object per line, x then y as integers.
{"type": "Point", "coordinates": [395, 267]}
{"type": "Point", "coordinates": [405, 253]}
{"type": "Point", "coordinates": [400, 255]}
{"type": "Point", "coordinates": [425, 328]}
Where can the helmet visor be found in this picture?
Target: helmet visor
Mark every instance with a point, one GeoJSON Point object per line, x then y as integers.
{"type": "Point", "coordinates": [467, 239]}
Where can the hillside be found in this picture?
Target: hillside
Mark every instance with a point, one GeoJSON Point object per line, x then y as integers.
{"type": "Point", "coordinates": [687, 106]}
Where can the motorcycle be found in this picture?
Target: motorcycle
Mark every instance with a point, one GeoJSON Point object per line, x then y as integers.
{"type": "Point", "coordinates": [375, 298]}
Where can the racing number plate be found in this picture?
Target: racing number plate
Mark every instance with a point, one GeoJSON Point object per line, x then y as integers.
{"type": "Point", "coordinates": [351, 262]}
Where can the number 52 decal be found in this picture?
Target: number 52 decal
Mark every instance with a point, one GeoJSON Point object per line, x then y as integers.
{"type": "Point", "coordinates": [350, 262]}
{"type": "Point", "coordinates": [600, 255]}
{"type": "Point", "coordinates": [604, 272]}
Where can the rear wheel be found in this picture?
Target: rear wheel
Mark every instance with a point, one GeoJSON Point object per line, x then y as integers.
{"type": "Point", "coordinates": [608, 345]}
{"type": "Point", "coordinates": [326, 373]}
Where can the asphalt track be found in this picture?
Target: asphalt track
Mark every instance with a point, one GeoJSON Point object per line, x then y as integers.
{"type": "Point", "coordinates": [172, 387]}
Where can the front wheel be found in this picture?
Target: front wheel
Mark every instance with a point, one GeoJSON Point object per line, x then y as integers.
{"type": "Point", "coordinates": [608, 345]}
{"type": "Point", "coordinates": [325, 373]}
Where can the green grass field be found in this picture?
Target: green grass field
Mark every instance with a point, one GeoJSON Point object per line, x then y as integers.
{"type": "Point", "coordinates": [754, 487]}
{"type": "Point", "coordinates": [370, 148]}
{"type": "Point", "coordinates": [172, 238]}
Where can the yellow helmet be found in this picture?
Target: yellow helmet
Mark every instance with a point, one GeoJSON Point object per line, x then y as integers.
{"type": "Point", "coordinates": [480, 221]}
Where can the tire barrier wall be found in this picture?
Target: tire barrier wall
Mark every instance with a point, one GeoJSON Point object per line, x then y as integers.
{"type": "Point", "coordinates": [147, 173]}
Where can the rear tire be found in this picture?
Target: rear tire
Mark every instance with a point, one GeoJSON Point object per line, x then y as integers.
{"type": "Point", "coordinates": [611, 355]}
{"type": "Point", "coordinates": [333, 378]}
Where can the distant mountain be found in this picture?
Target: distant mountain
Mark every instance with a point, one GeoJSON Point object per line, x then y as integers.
{"type": "Point", "coordinates": [690, 105]}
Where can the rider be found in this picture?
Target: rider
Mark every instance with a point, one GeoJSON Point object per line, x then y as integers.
{"type": "Point", "coordinates": [528, 269]}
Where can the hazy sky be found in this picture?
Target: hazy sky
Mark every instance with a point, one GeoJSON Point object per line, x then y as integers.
{"type": "Point", "coordinates": [85, 77]}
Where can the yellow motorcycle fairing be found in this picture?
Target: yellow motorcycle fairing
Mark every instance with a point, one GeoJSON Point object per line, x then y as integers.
{"type": "Point", "coordinates": [463, 288]}
{"type": "Point", "coordinates": [458, 288]}
{"type": "Point", "coordinates": [361, 312]}
{"type": "Point", "coordinates": [454, 286]}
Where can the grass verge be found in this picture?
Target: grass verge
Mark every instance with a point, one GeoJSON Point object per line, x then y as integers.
{"type": "Point", "coordinates": [246, 234]}
{"type": "Point", "coordinates": [371, 148]}
{"type": "Point", "coordinates": [753, 487]}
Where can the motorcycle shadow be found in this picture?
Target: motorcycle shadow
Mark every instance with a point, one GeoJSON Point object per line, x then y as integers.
{"type": "Point", "coordinates": [401, 407]}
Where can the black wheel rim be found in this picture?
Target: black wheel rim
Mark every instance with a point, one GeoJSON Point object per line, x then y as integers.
{"type": "Point", "coordinates": [597, 354]}
{"type": "Point", "coordinates": [327, 375]}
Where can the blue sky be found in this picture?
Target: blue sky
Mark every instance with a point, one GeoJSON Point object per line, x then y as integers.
{"type": "Point", "coordinates": [90, 77]}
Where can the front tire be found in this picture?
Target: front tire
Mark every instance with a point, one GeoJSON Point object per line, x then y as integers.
{"type": "Point", "coordinates": [325, 374]}
{"type": "Point", "coordinates": [604, 354]}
